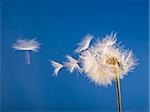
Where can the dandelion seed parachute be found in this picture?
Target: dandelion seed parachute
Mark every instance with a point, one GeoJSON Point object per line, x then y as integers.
{"type": "Point", "coordinates": [72, 64]}
{"type": "Point", "coordinates": [27, 45]}
{"type": "Point", "coordinates": [84, 44]}
{"type": "Point", "coordinates": [57, 66]}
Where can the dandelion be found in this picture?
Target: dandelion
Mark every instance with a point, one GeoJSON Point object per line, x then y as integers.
{"type": "Point", "coordinates": [103, 62]}
{"type": "Point", "coordinates": [27, 46]}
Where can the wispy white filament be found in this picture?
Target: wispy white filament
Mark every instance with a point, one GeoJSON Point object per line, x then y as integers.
{"type": "Point", "coordinates": [99, 60]}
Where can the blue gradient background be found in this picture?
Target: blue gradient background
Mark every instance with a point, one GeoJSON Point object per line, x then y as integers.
{"type": "Point", "coordinates": [59, 25]}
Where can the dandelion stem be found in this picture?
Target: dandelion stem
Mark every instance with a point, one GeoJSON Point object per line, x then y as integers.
{"type": "Point", "coordinates": [118, 90]}
{"type": "Point", "coordinates": [27, 57]}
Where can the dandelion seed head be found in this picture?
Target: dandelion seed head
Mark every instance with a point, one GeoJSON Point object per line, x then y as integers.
{"type": "Point", "coordinates": [25, 44]}
{"type": "Point", "coordinates": [107, 55]}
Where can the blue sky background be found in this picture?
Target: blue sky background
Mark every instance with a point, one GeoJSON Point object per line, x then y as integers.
{"type": "Point", "coordinates": [59, 25]}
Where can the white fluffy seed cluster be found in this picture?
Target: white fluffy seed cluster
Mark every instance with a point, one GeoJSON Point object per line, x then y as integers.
{"type": "Point", "coordinates": [97, 61]}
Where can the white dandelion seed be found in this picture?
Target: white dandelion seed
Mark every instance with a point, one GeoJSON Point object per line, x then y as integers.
{"type": "Point", "coordinates": [72, 64]}
{"type": "Point", "coordinates": [57, 66]}
{"type": "Point", "coordinates": [84, 44]}
{"type": "Point", "coordinates": [103, 62]}
{"type": "Point", "coordinates": [27, 45]}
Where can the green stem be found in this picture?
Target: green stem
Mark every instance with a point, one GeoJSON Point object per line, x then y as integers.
{"type": "Point", "coordinates": [118, 91]}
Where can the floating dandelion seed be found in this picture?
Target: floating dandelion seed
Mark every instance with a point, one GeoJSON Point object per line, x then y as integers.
{"type": "Point", "coordinates": [57, 66]}
{"type": "Point", "coordinates": [84, 44]}
{"type": "Point", "coordinates": [103, 62]}
{"type": "Point", "coordinates": [26, 45]}
{"type": "Point", "coordinates": [72, 64]}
